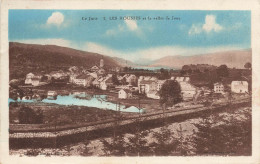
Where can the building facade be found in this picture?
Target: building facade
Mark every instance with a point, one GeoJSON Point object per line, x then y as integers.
{"type": "Point", "coordinates": [218, 88]}
{"type": "Point", "coordinates": [124, 94]}
{"type": "Point", "coordinates": [239, 86]}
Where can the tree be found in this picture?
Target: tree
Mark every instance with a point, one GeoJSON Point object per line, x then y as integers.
{"type": "Point", "coordinates": [171, 71]}
{"type": "Point", "coordinates": [115, 147]}
{"type": "Point", "coordinates": [170, 93]}
{"type": "Point", "coordinates": [165, 143]}
{"type": "Point", "coordinates": [183, 144]}
{"type": "Point", "coordinates": [138, 144]}
{"type": "Point", "coordinates": [222, 71]}
{"type": "Point", "coordinates": [164, 74]}
{"type": "Point", "coordinates": [114, 79]}
{"type": "Point", "coordinates": [248, 65]}
{"type": "Point", "coordinates": [232, 137]}
{"type": "Point", "coordinates": [182, 72]}
{"type": "Point", "coordinates": [185, 67]}
{"type": "Point", "coordinates": [86, 150]}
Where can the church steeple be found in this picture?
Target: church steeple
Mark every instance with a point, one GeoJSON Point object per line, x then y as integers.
{"type": "Point", "coordinates": [101, 62]}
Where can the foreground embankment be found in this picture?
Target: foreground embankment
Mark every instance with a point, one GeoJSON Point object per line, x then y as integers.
{"type": "Point", "coordinates": [108, 127]}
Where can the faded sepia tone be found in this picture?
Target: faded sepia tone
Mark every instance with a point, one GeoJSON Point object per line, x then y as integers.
{"type": "Point", "coordinates": [169, 97]}
{"type": "Point", "coordinates": [130, 83]}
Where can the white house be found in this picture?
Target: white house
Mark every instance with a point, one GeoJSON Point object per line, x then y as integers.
{"type": "Point", "coordinates": [153, 94]}
{"type": "Point", "coordinates": [37, 75]}
{"type": "Point", "coordinates": [28, 79]}
{"type": "Point", "coordinates": [124, 94]}
{"type": "Point", "coordinates": [159, 84]}
{"type": "Point", "coordinates": [147, 86]}
{"type": "Point", "coordinates": [146, 79]}
{"type": "Point", "coordinates": [84, 80]}
{"type": "Point", "coordinates": [119, 77]}
{"type": "Point", "coordinates": [97, 81]}
{"type": "Point", "coordinates": [93, 74]}
{"type": "Point", "coordinates": [105, 83]}
{"type": "Point", "coordinates": [130, 78]}
{"type": "Point", "coordinates": [218, 88]}
{"type": "Point", "coordinates": [187, 90]}
{"type": "Point", "coordinates": [187, 79]}
{"type": "Point", "coordinates": [73, 77]}
{"type": "Point", "coordinates": [239, 86]}
{"type": "Point", "coordinates": [51, 94]}
{"type": "Point", "coordinates": [58, 74]}
{"type": "Point", "coordinates": [35, 81]}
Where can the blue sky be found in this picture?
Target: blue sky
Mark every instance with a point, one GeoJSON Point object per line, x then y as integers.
{"type": "Point", "coordinates": [196, 32]}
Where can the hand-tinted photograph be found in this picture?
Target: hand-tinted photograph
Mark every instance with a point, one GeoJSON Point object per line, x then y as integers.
{"type": "Point", "coordinates": [130, 83]}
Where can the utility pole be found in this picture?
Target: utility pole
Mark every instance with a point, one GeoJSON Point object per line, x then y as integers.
{"type": "Point", "coordinates": [114, 133]}
{"type": "Point", "coordinates": [138, 128]}
{"type": "Point", "coordinates": [164, 105]}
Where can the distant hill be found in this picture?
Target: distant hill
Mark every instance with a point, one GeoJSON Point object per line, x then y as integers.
{"type": "Point", "coordinates": [124, 62]}
{"type": "Point", "coordinates": [24, 58]}
{"type": "Point", "coordinates": [232, 59]}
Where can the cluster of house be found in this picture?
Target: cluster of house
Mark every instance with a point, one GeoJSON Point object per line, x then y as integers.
{"type": "Point", "coordinates": [150, 86]}
{"type": "Point", "coordinates": [75, 75]}
{"type": "Point", "coordinates": [236, 87]}
{"type": "Point", "coordinates": [95, 76]}
{"type": "Point", "coordinates": [127, 79]}
{"type": "Point", "coordinates": [147, 85]}
{"type": "Point", "coordinates": [36, 79]}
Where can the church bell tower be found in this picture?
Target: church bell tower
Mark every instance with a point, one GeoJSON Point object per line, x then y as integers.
{"type": "Point", "coordinates": [101, 63]}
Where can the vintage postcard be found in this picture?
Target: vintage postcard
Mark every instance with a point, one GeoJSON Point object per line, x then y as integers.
{"type": "Point", "coordinates": [109, 80]}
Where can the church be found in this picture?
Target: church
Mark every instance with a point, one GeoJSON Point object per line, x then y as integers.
{"type": "Point", "coordinates": [99, 70]}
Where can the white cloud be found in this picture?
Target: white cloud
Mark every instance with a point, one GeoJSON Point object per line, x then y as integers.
{"type": "Point", "coordinates": [115, 31]}
{"type": "Point", "coordinates": [209, 26]}
{"type": "Point", "coordinates": [131, 24]}
{"type": "Point", "coordinates": [195, 29]}
{"type": "Point", "coordinates": [56, 18]}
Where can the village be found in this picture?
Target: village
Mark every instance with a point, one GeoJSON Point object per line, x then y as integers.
{"type": "Point", "coordinates": [64, 103]}
{"type": "Point", "coordinates": [124, 87]}
{"type": "Point", "coordinates": [148, 87]}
